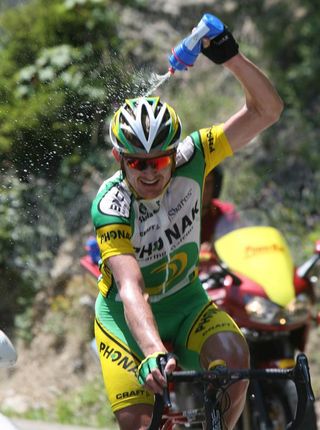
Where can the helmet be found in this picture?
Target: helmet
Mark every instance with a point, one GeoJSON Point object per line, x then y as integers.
{"type": "Point", "coordinates": [143, 125]}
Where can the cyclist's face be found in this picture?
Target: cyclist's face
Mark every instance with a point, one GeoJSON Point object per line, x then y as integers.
{"type": "Point", "coordinates": [148, 175]}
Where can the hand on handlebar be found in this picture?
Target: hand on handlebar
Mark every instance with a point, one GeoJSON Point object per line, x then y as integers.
{"type": "Point", "coordinates": [152, 370]}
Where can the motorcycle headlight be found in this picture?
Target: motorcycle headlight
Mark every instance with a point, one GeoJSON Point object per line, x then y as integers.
{"type": "Point", "coordinates": [264, 311]}
{"type": "Point", "coordinates": [261, 310]}
{"type": "Point", "coordinates": [299, 309]}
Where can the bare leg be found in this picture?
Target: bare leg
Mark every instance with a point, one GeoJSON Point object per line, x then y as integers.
{"type": "Point", "coordinates": [233, 349]}
{"type": "Point", "coordinates": [136, 417]}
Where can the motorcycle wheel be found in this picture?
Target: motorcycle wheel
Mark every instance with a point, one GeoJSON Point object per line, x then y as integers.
{"type": "Point", "coordinates": [267, 408]}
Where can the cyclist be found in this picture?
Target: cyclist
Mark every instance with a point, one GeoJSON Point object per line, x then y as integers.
{"type": "Point", "coordinates": [8, 355]}
{"type": "Point", "coordinates": [217, 218]}
{"type": "Point", "coordinates": [147, 220]}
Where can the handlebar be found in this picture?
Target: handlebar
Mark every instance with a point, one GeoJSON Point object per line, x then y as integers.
{"type": "Point", "coordinates": [299, 375]}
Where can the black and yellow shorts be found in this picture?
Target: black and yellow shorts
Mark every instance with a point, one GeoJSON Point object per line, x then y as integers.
{"type": "Point", "coordinates": [185, 320]}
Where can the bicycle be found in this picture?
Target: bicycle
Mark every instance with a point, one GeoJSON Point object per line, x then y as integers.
{"type": "Point", "coordinates": [215, 400]}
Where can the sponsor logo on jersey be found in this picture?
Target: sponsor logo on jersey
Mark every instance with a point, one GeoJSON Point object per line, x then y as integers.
{"type": "Point", "coordinates": [205, 319]}
{"type": "Point", "coordinates": [207, 325]}
{"type": "Point", "coordinates": [176, 266]}
{"type": "Point", "coordinates": [113, 235]}
{"type": "Point", "coordinates": [132, 393]}
{"type": "Point", "coordinates": [120, 357]}
{"type": "Point", "coordinates": [145, 213]}
{"type": "Point", "coordinates": [175, 234]}
{"type": "Point", "coordinates": [149, 248]}
{"type": "Point", "coordinates": [152, 227]}
{"type": "Point", "coordinates": [172, 212]}
{"type": "Point", "coordinates": [210, 140]}
{"type": "Point", "coordinates": [115, 202]}
{"type": "Point", "coordinates": [211, 321]}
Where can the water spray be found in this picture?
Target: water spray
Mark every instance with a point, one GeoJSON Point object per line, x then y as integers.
{"type": "Point", "coordinates": [156, 80]}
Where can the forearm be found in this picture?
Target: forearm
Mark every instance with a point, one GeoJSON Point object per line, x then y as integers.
{"type": "Point", "coordinates": [137, 310]}
{"type": "Point", "coordinates": [140, 321]}
{"type": "Point", "coordinates": [262, 106]}
{"type": "Point", "coordinates": [261, 96]}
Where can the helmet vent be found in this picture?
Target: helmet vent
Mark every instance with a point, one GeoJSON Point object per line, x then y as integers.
{"type": "Point", "coordinates": [143, 125]}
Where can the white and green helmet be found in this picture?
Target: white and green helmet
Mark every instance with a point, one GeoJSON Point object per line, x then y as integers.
{"type": "Point", "coordinates": [143, 125]}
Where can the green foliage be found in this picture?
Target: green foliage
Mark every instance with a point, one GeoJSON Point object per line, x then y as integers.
{"type": "Point", "coordinates": [55, 75]}
{"type": "Point", "coordinates": [53, 72]}
{"type": "Point", "coordinates": [54, 80]}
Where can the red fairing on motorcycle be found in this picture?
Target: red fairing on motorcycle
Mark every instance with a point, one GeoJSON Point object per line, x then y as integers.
{"type": "Point", "coordinates": [253, 277]}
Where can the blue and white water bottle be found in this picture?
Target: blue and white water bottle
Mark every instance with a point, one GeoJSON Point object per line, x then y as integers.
{"type": "Point", "coordinates": [186, 52]}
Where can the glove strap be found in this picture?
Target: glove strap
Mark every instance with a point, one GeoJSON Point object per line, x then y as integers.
{"type": "Point", "coordinates": [221, 48]}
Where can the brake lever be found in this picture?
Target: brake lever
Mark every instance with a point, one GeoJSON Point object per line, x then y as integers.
{"type": "Point", "coordinates": [166, 393]}
{"type": "Point", "coordinates": [302, 368]}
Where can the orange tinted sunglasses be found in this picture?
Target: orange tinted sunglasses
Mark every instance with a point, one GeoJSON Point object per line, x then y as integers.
{"type": "Point", "coordinates": [157, 163]}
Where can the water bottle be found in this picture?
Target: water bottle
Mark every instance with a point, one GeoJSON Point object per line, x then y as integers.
{"type": "Point", "coordinates": [186, 52]}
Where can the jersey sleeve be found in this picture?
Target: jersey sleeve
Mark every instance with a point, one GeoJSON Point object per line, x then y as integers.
{"type": "Point", "coordinates": [111, 216]}
{"type": "Point", "coordinates": [114, 239]}
{"type": "Point", "coordinates": [215, 146]}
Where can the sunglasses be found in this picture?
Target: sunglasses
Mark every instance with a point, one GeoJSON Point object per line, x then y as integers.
{"type": "Point", "coordinates": [157, 163]}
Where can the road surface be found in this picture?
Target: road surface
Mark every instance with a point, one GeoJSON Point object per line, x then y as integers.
{"type": "Point", "coordinates": [19, 424]}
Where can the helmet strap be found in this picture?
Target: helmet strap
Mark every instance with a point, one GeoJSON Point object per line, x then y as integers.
{"type": "Point", "coordinates": [173, 167]}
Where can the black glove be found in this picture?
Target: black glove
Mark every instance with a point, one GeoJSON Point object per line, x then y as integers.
{"type": "Point", "coordinates": [221, 48]}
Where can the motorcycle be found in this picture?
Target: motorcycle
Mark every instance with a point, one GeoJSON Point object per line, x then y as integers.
{"type": "Point", "coordinates": [252, 276]}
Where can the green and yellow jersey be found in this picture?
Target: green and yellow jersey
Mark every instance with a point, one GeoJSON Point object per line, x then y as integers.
{"type": "Point", "coordinates": [164, 233]}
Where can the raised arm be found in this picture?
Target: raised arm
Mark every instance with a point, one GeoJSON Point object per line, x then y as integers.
{"type": "Point", "coordinates": [262, 107]}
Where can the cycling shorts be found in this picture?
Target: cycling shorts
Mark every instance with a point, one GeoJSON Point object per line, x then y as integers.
{"type": "Point", "coordinates": [185, 320]}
